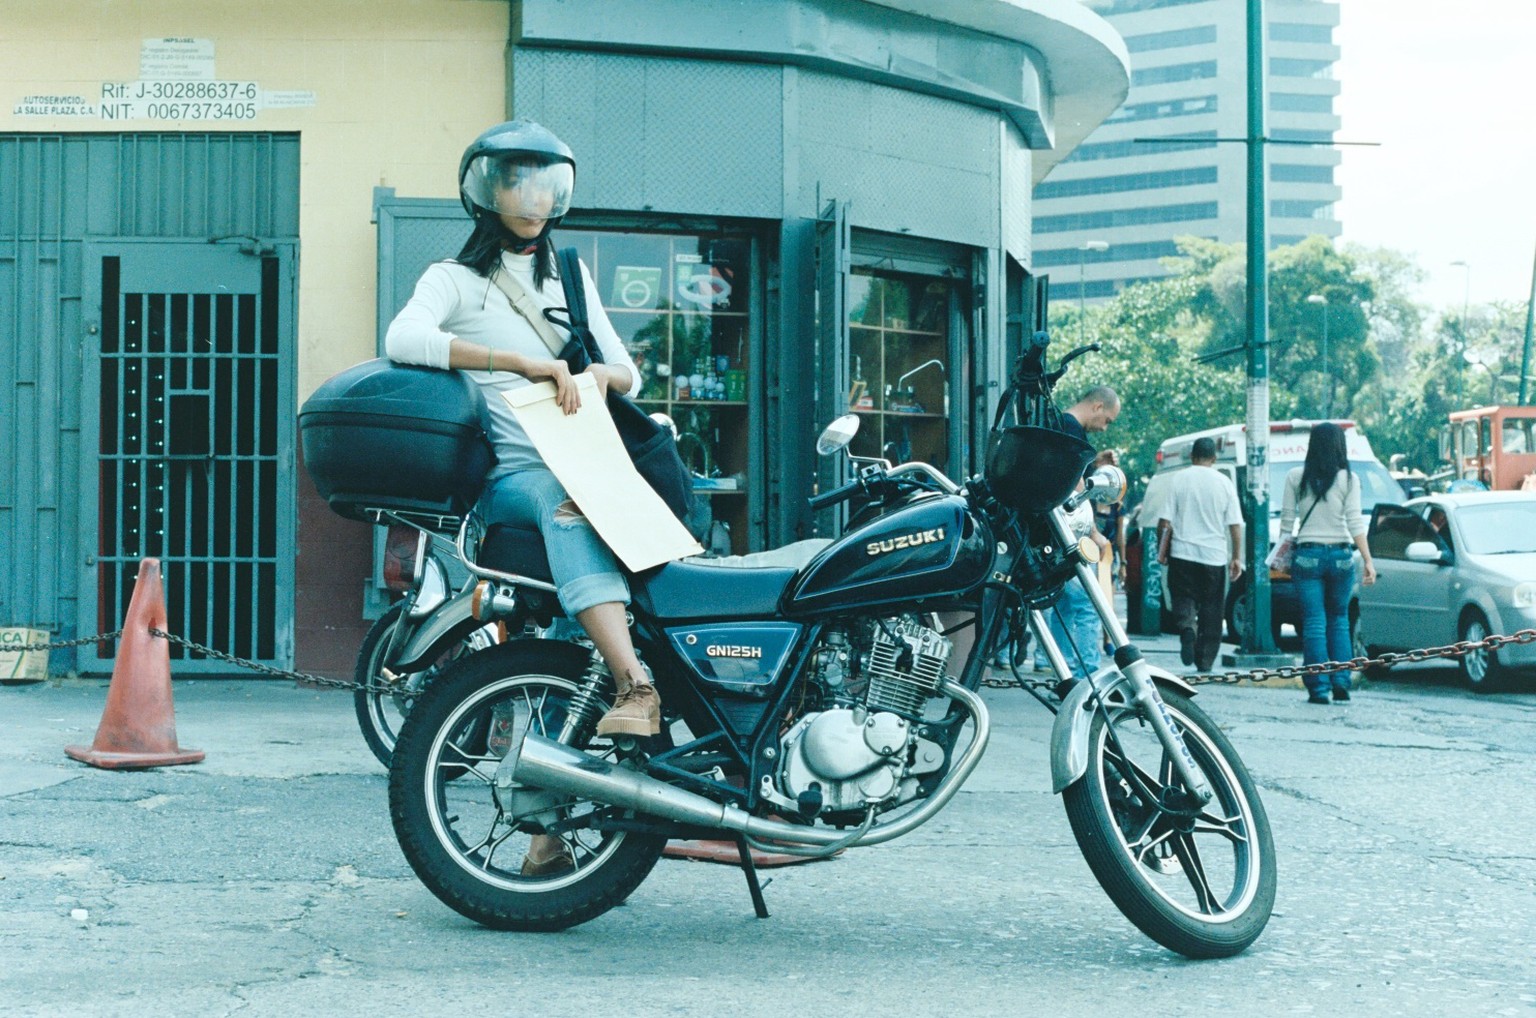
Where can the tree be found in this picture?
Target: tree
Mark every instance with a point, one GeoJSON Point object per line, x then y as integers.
{"type": "Point", "coordinates": [1149, 337]}
{"type": "Point", "coordinates": [1175, 348]}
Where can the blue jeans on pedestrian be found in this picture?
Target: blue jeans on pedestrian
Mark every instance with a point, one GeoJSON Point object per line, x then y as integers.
{"type": "Point", "coordinates": [583, 568]}
{"type": "Point", "coordinates": [1074, 614]}
{"type": "Point", "coordinates": [1324, 576]}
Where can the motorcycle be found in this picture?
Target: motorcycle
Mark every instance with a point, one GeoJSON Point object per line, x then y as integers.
{"type": "Point", "coordinates": [811, 708]}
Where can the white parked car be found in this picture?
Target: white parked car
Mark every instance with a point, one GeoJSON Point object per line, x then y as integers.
{"type": "Point", "coordinates": [1454, 567]}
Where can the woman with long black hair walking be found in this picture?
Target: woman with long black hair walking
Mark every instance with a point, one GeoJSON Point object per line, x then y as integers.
{"type": "Point", "coordinates": [1322, 511]}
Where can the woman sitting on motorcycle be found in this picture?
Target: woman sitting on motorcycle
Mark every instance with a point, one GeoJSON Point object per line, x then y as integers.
{"type": "Point", "coordinates": [515, 182]}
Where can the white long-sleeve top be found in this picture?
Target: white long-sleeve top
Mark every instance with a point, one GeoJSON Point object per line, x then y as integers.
{"type": "Point", "coordinates": [453, 301]}
{"type": "Point", "coordinates": [1336, 518]}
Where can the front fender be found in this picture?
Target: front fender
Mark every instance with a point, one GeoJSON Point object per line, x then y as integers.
{"type": "Point", "coordinates": [1069, 735]}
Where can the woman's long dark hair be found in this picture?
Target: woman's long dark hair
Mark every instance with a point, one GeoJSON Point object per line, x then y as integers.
{"type": "Point", "coordinates": [482, 251]}
{"type": "Point", "coordinates": [1326, 456]}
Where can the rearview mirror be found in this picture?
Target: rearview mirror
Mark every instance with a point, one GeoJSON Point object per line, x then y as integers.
{"type": "Point", "coordinates": [1424, 551]}
{"type": "Point", "coordinates": [837, 435]}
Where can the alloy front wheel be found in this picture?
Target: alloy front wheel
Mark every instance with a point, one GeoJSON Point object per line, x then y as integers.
{"type": "Point", "coordinates": [1198, 881]}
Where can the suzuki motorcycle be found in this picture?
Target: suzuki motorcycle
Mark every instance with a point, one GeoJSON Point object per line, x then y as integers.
{"type": "Point", "coordinates": [816, 708]}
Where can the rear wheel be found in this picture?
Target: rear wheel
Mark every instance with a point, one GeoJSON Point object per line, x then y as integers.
{"type": "Point", "coordinates": [382, 701]}
{"type": "Point", "coordinates": [1481, 670]}
{"type": "Point", "coordinates": [1199, 883]}
{"type": "Point", "coordinates": [465, 838]}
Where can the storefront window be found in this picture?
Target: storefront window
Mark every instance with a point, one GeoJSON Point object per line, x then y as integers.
{"type": "Point", "coordinates": [899, 365]}
{"type": "Point", "coordinates": [681, 303]}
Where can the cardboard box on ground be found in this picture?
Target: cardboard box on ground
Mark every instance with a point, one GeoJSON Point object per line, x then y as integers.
{"type": "Point", "coordinates": [17, 665]}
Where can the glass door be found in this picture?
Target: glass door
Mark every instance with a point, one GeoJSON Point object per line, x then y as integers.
{"type": "Point", "coordinates": [899, 365]}
{"type": "Point", "coordinates": [682, 304]}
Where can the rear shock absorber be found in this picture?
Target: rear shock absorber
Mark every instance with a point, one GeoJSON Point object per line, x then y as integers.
{"type": "Point", "coordinates": [588, 702]}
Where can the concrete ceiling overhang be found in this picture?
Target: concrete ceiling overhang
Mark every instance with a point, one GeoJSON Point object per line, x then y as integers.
{"type": "Point", "coordinates": [1053, 68]}
{"type": "Point", "coordinates": [1087, 67]}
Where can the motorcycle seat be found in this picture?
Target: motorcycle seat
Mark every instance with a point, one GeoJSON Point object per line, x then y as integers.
{"type": "Point", "coordinates": [692, 590]}
{"type": "Point", "coordinates": [512, 549]}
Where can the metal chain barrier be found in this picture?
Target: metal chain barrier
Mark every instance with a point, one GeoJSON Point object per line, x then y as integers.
{"type": "Point", "coordinates": [198, 648]}
{"type": "Point", "coordinates": [1357, 664]}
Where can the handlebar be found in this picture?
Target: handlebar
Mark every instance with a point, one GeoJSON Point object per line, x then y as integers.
{"type": "Point", "coordinates": [881, 475]}
{"type": "Point", "coordinates": [836, 495]}
{"type": "Point", "coordinates": [1032, 359]}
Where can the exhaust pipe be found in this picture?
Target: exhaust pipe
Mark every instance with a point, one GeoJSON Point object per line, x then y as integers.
{"type": "Point", "coordinates": [544, 763]}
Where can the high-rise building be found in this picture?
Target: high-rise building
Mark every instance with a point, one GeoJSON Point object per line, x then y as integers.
{"type": "Point", "coordinates": [1106, 214]}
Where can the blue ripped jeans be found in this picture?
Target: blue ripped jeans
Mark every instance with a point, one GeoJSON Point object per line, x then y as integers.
{"type": "Point", "coordinates": [1078, 632]}
{"type": "Point", "coordinates": [1324, 576]}
{"type": "Point", "coordinates": [583, 568]}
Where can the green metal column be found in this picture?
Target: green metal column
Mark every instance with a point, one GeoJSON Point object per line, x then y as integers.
{"type": "Point", "coordinates": [1258, 638]}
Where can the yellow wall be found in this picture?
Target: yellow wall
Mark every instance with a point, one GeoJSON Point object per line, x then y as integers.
{"type": "Point", "coordinates": [400, 87]}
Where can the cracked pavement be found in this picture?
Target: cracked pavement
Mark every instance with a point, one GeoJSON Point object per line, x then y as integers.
{"type": "Point", "coordinates": [267, 881]}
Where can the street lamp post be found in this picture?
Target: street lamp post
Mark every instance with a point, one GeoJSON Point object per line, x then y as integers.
{"type": "Point", "coordinates": [1317, 298]}
{"type": "Point", "coordinates": [1082, 280]}
{"type": "Point", "coordinates": [1466, 290]}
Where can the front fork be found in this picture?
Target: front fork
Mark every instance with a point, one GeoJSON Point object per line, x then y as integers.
{"type": "Point", "coordinates": [1128, 663]}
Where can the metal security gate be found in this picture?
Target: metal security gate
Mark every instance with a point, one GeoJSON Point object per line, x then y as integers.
{"type": "Point", "coordinates": [193, 463]}
{"type": "Point", "coordinates": [178, 207]}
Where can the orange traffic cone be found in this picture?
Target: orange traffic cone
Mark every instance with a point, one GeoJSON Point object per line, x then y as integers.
{"type": "Point", "coordinates": [138, 727]}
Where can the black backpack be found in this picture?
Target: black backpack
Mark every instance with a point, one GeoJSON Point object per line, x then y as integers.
{"type": "Point", "coordinates": [650, 444]}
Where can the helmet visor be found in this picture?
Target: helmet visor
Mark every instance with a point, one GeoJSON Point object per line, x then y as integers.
{"type": "Point", "coordinates": [519, 185]}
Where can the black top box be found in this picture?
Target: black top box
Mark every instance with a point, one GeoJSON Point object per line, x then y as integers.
{"type": "Point", "coordinates": [405, 439]}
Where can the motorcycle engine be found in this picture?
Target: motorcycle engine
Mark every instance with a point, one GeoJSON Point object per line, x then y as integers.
{"type": "Point", "coordinates": [870, 751]}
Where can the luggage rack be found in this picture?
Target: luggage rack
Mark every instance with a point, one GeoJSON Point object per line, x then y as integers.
{"type": "Point", "coordinates": [438, 524]}
{"type": "Point", "coordinates": [437, 527]}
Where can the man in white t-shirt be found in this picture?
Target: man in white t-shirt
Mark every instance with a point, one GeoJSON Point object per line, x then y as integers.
{"type": "Point", "coordinates": [1205, 552]}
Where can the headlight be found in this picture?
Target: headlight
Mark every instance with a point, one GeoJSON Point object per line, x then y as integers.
{"type": "Point", "coordinates": [1525, 595]}
{"type": "Point", "coordinates": [1080, 519]}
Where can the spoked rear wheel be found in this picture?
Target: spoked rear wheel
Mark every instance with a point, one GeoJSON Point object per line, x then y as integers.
{"type": "Point", "coordinates": [465, 838]}
{"type": "Point", "coordinates": [382, 701]}
{"type": "Point", "coordinates": [1199, 884]}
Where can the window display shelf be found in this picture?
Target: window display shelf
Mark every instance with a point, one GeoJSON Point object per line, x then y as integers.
{"type": "Point", "coordinates": [680, 303]}
{"type": "Point", "coordinates": [899, 366]}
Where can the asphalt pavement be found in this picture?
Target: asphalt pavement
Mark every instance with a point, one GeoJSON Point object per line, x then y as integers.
{"type": "Point", "coordinates": [266, 880]}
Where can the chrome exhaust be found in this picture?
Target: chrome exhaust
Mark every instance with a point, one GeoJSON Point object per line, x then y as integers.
{"type": "Point", "coordinates": [544, 763]}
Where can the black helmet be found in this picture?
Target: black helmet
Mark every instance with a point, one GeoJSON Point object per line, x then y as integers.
{"type": "Point", "coordinates": [1031, 469]}
{"type": "Point", "coordinates": [520, 168]}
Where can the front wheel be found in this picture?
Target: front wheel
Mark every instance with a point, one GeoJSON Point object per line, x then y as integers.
{"type": "Point", "coordinates": [466, 838]}
{"type": "Point", "coordinates": [1481, 669]}
{"type": "Point", "coordinates": [1240, 609]}
{"type": "Point", "coordinates": [1201, 884]}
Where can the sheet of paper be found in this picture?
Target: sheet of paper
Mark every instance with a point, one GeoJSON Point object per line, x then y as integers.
{"type": "Point", "coordinates": [585, 453]}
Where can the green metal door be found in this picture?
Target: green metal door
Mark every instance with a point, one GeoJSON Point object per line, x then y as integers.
{"type": "Point", "coordinates": [187, 442]}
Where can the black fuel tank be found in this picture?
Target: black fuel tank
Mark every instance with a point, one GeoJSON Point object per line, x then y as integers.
{"type": "Point", "coordinates": [930, 548]}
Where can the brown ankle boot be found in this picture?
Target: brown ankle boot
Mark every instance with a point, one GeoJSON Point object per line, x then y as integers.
{"type": "Point", "coordinates": [559, 861]}
{"type": "Point", "coordinates": [636, 711]}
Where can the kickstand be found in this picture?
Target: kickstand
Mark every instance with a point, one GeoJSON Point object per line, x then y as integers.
{"type": "Point", "coordinates": [749, 868]}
